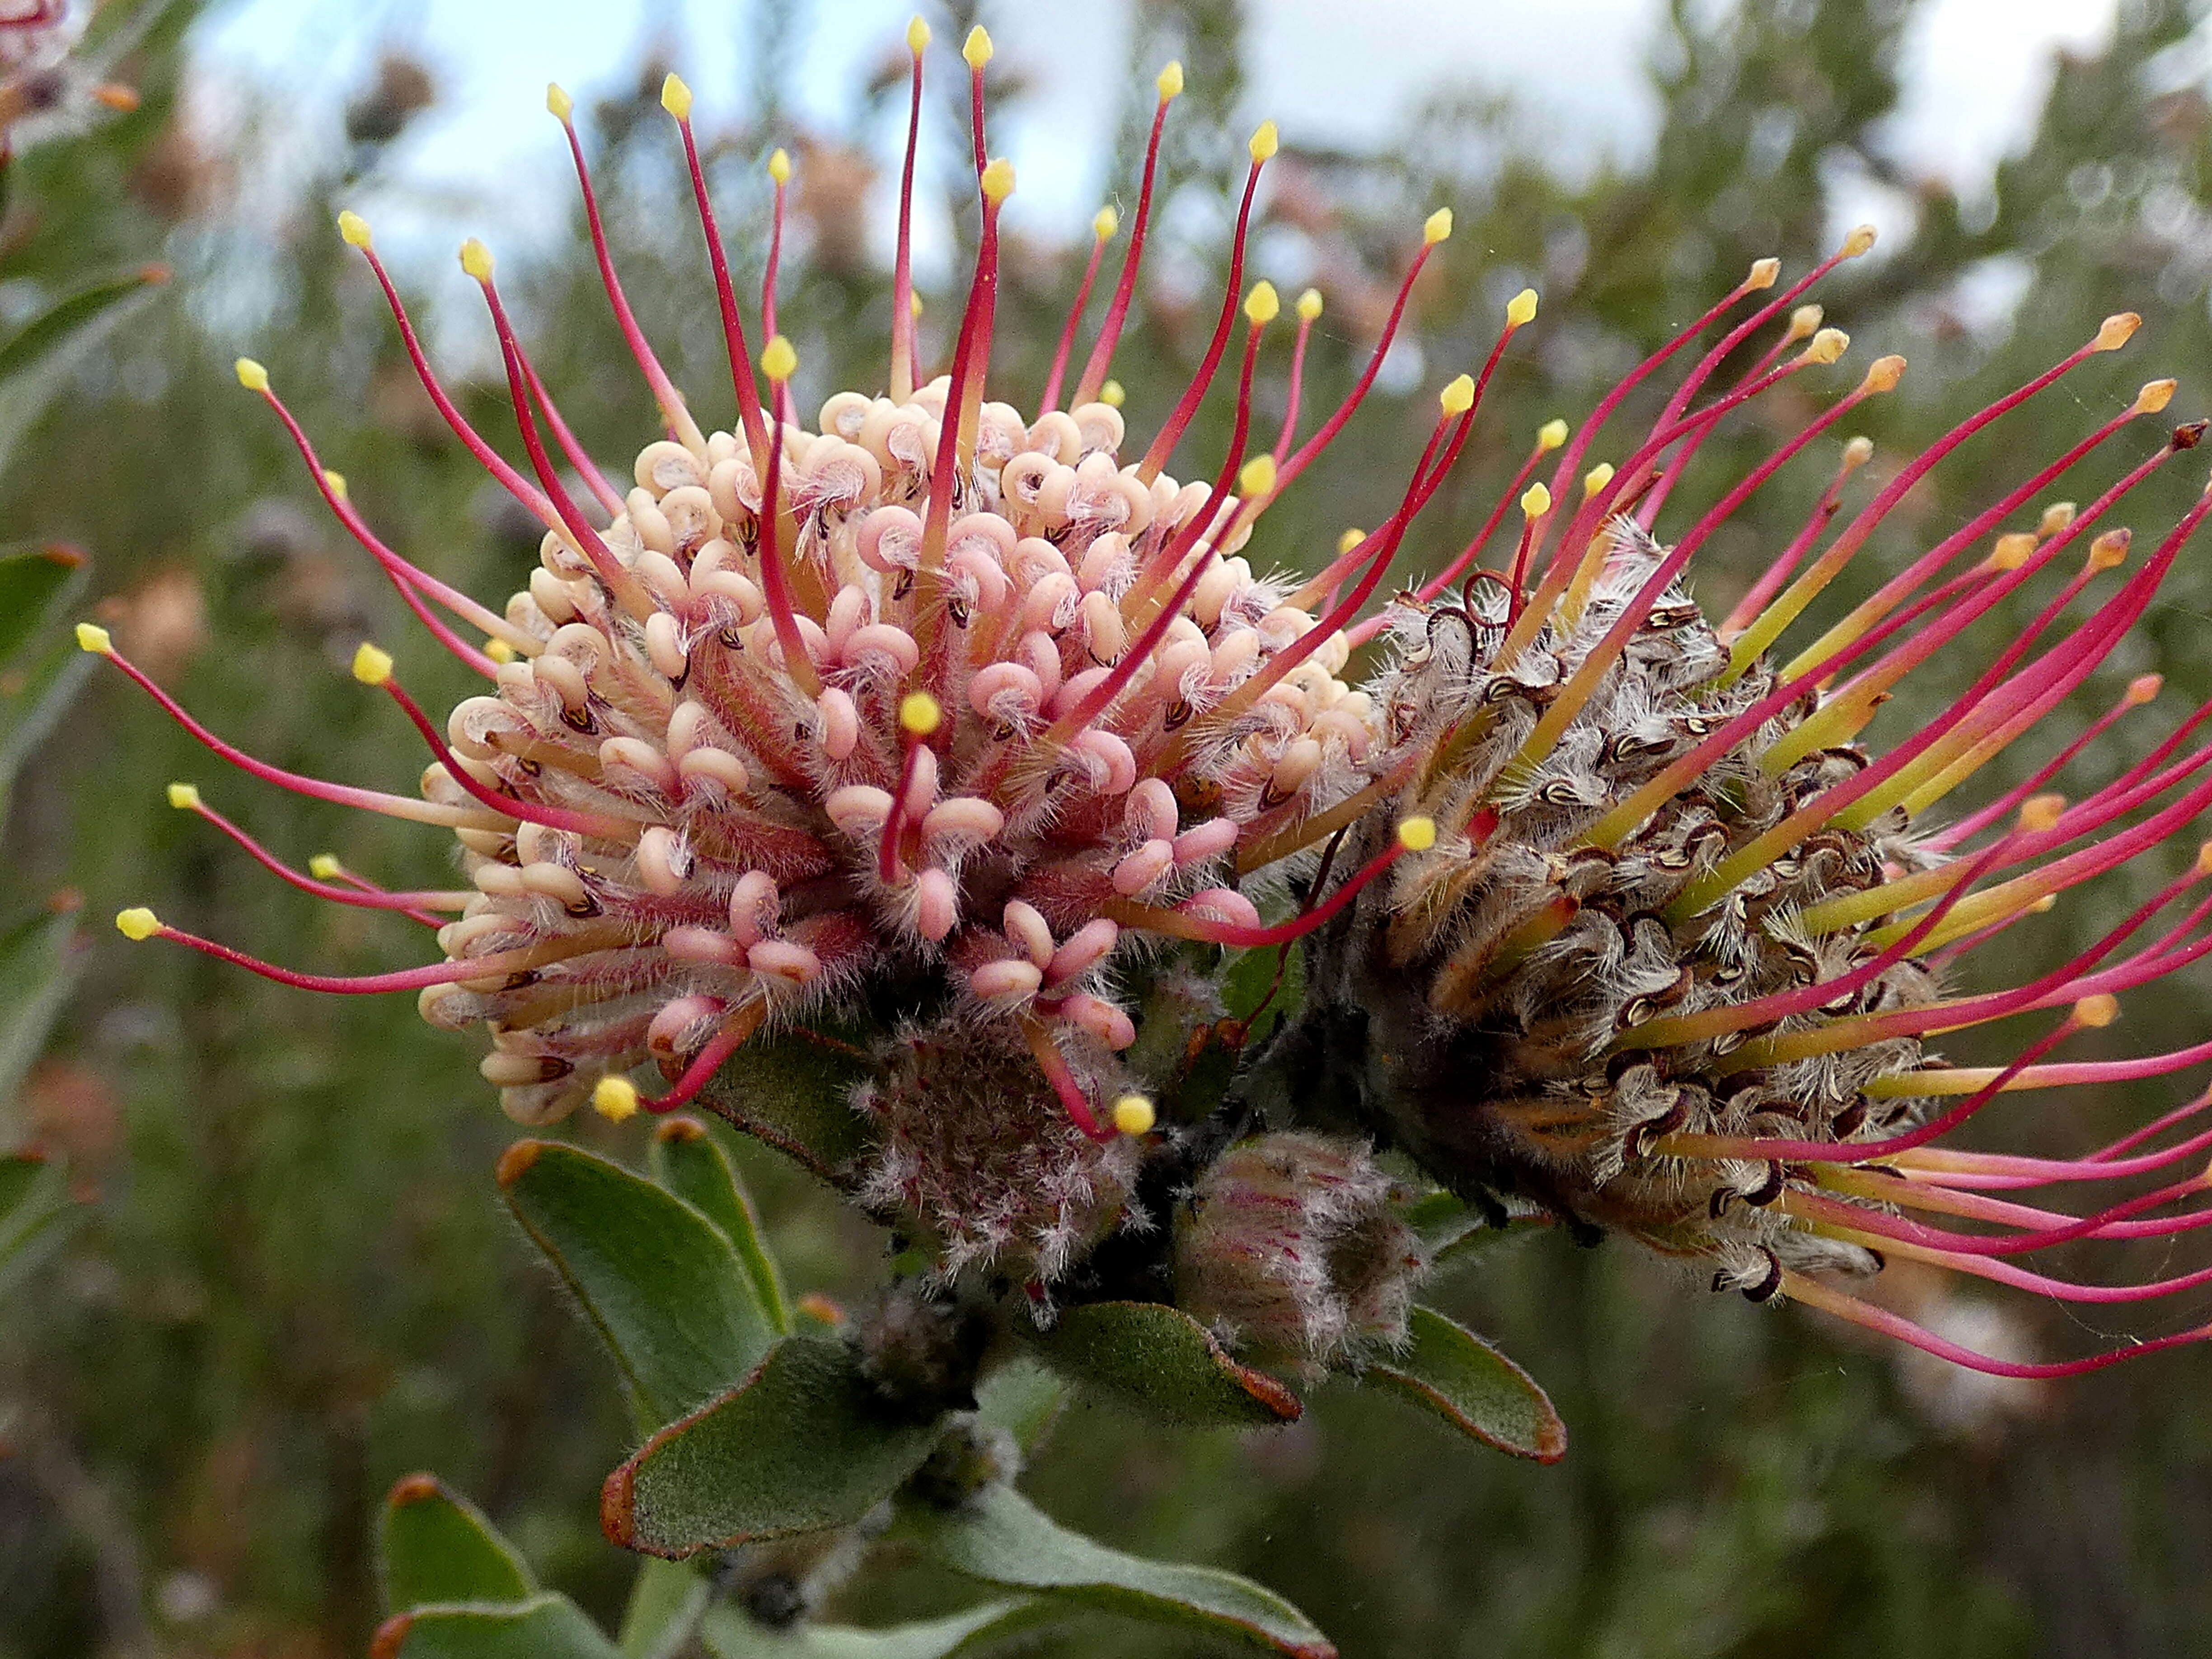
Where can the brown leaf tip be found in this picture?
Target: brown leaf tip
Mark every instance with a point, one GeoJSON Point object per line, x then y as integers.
{"type": "Point", "coordinates": [680, 1128]}
{"type": "Point", "coordinates": [618, 1506]}
{"type": "Point", "coordinates": [516, 1160]}
{"type": "Point", "coordinates": [412, 1489]}
{"type": "Point", "coordinates": [391, 1635]}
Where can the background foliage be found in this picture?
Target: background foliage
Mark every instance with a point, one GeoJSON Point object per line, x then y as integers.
{"type": "Point", "coordinates": [291, 1280]}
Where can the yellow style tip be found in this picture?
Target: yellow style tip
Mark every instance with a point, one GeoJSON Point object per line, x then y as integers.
{"type": "Point", "coordinates": [1535, 500]}
{"type": "Point", "coordinates": [1170, 82]}
{"type": "Point", "coordinates": [324, 867]}
{"type": "Point", "coordinates": [778, 360]}
{"type": "Point", "coordinates": [335, 480]}
{"type": "Point", "coordinates": [1256, 479]}
{"type": "Point", "coordinates": [1762, 275]}
{"type": "Point", "coordinates": [2097, 1010]}
{"type": "Point", "coordinates": [1804, 320]}
{"type": "Point", "coordinates": [2144, 687]}
{"type": "Point", "coordinates": [251, 374]}
{"type": "Point", "coordinates": [1308, 305]}
{"type": "Point", "coordinates": [1437, 227]}
{"type": "Point", "coordinates": [1263, 305]}
{"type": "Point", "coordinates": [1858, 453]}
{"type": "Point", "coordinates": [1135, 1114]}
{"type": "Point", "coordinates": [1884, 373]}
{"type": "Point", "coordinates": [779, 167]}
{"type": "Point", "coordinates": [91, 636]}
{"type": "Point", "coordinates": [917, 36]}
{"type": "Point", "coordinates": [370, 665]}
{"type": "Point", "coordinates": [1266, 140]}
{"type": "Point", "coordinates": [184, 796]}
{"type": "Point", "coordinates": [615, 1098]}
{"type": "Point", "coordinates": [499, 651]}
{"type": "Point", "coordinates": [977, 48]}
{"type": "Point", "coordinates": [1350, 539]}
{"type": "Point", "coordinates": [2040, 813]}
{"type": "Point", "coordinates": [2012, 550]}
{"type": "Point", "coordinates": [137, 923]}
{"type": "Point", "coordinates": [354, 228]}
{"type": "Point", "coordinates": [1861, 239]}
{"type": "Point", "coordinates": [558, 102]}
{"type": "Point", "coordinates": [1458, 395]}
{"type": "Point", "coordinates": [676, 97]}
{"type": "Point", "coordinates": [1551, 436]}
{"type": "Point", "coordinates": [1417, 834]}
{"type": "Point", "coordinates": [920, 715]}
{"type": "Point", "coordinates": [998, 179]}
{"type": "Point", "coordinates": [1521, 309]}
{"type": "Point", "coordinates": [1113, 394]}
{"type": "Point", "coordinates": [2155, 397]}
{"type": "Point", "coordinates": [1597, 479]}
{"type": "Point", "coordinates": [1827, 346]}
{"type": "Point", "coordinates": [2117, 331]}
{"type": "Point", "coordinates": [1105, 223]}
{"type": "Point", "coordinates": [476, 259]}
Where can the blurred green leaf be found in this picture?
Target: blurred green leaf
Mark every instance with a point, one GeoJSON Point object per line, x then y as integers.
{"type": "Point", "coordinates": [794, 1091]}
{"type": "Point", "coordinates": [1022, 1397]}
{"type": "Point", "coordinates": [1447, 1370]}
{"type": "Point", "coordinates": [1160, 1358]}
{"type": "Point", "coordinates": [664, 1604]}
{"type": "Point", "coordinates": [543, 1627]}
{"type": "Point", "coordinates": [1452, 1230]}
{"type": "Point", "coordinates": [33, 697]}
{"type": "Point", "coordinates": [438, 1546]}
{"type": "Point", "coordinates": [729, 1634]}
{"type": "Point", "coordinates": [1001, 1538]}
{"type": "Point", "coordinates": [33, 359]}
{"type": "Point", "coordinates": [658, 1280]}
{"type": "Point", "coordinates": [35, 1209]}
{"type": "Point", "coordinates": [37, 966]}
{"type": "Point", "coordinates": [687, 1161]}
{"type": "Point", "coordinates": [34, 583]}
{"type": "Point", "coordinates": [802, 1444]}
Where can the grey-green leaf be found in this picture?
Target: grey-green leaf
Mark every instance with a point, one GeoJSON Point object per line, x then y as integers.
{"type": "Point", "coordinates": [795, 1092]}
{"type": "Point", "coordinates": [34, 581]}
{"type": "Point", "coordinates": [663, 1613]}
{"type": "Point", "coordinates": [660, 1280]}
{"type": "Point", "coordinates": [687, 1161]}
{"type": "Point", "coordinates": [542, 1628]}
{"type": "Point", "coordinates": [802, 1444]}
{"type": "Point", "coordinates": [37, 966]}
{"type": "Point", "coordinates": [729, 1634]}
{"type": "Point", "coordinates": [438, 1546]}
{"type": "Point", "coordinates": [1001, 1537]}
{"type": "Point", "coordinates": [1160, 1359]}
{"type": "Point", "coordinates": [1447, 1370]}
{"type": "Point", "coordinates": [1023, 1397]}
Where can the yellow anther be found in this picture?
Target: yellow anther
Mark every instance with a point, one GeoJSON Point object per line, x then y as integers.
{"type": "Point", "coordinates": [1763, 273]}
{"type": "Point", "coordinates": [1263, 305]}
{"type": "Point", "coordinates": [676, 97]}
{"type": "Point", "coordinates": [1860, 239]}
{"type": "Point", "coordinates": [354, 228]}
{"type": "Point", "coordinates": [324, 867]}
{"type": "Point", "coordinates": [913, 306]}
{"type": "Point", "coordinates": [1112, 395]}
{"type": "Point", "coordinates": [91, 636]}
{"type": "Point", "coordinates": [999, 180]}
{"type": "Point", "coordinates": [1256, 479]}
{"type": "Point", "coordinates": [1804, 320]}
{"type": "Point", "coordinates": [1135, 1114]}
{"type": "Point", "coordinates": [251, 375]}
{"type": "Point", "coordinates": [499, 651]}
{"type": "Point", "coordinates": [137, 923]}
{"type": "Point", "coordinates": [476, 259]}
{"type": "Point", "coordinates": [1535, 500]}
{"type": "Point", "coordinates": [977, 48]}
{"type": "Point", "coordinates": [1437, 227]}
{"type": "Point", "coordinates": [184, 796]}
{"type": "Point", "coordinates": [779, 362]}
{"type": "Point", "coordinates": [1308, 307]}
{"type": "Point", "coordinates": [335, 480]}
{"type": "Point", "coordinates": [920, 715]}
{"type": "Point", "coordinates": [1858, 453]}
{"type": "Point", "coordinates": [1350, 539]}
{"type": "Point", "coordinates": [917, 35]}
{"type": "Point", "coordinates": [1883, 375]}
{"type": "Point", "coordinates": [2012, 551]}
{"type": "Point", "coordinates": [1551, 436]}
{"type": "Point", "coordinates": [1417, 834]}
{"type": "Point", "coordinates": [2056, 519]}
{"type": "Point", "coordinates": [2155, 397]}
{"type": "Point", "coordinates": [779, 167]}
{"type": "Point", "coordinates": [1521, 309]}
{"type": "Point", "coordinates": [1266, 140]}
{"type": "Point", "coordinates": [1170, 81]}
{"type": "Point", "coordinates": [1458, 395]}
{"type": "Point", "coordinates": [558, 102]}
{"type": "Point", "coordinates": [370, 665]}
{"type": "Point", "coordinates": [2143, 688]}
{"type": "Point", "coordinates": [1105, 223]}
{"type": "Point", "coordinates": [615, 1098]}
{"type": "Point", "coordinates": [2038, 813]}
{"type": "Point", "coordinates": [2099, 1010]}
{"type": "Point", "coordinates": [2116, 331]}
{"type": "Point", "coordinates": [1597, 479]}
{"type": "Point", "coordinates": [2044, 905]}
{"type": "Point", "coordinates": [2110, 548]}
{"type": "Point", "coordinates": [1827, 346]}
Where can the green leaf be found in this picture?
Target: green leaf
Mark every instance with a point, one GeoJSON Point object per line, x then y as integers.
{"type": "Point", "coordinates": [1447, 1370]}
{"type": "Point", "coordinates": [662, 1285]}
{"type": "Point", "coordinates": [32, 698]}
{"type": "Point", "coordinates": [35, 1212]}
{"type": "Point", "coordinates": [729, 1634]}
{"type": "Point", "coordinates": [39, 960]}
{"type": "Point", "coordinates": [665, 1602]}
{"type": "Point", "coordinates": [1453, 1230]}
{"type": "Point", "coordinates": [1022, 1397]}
{"type": "Point", "coordinates": [802, 1444]}
{"type": "Point", "coordinates": [438, 1546]}
{"type": "Point", "coordinates": [33, 359]}
{"type": "Point", "coordinates": [794, 1091]}
{"type": "Point", "coordinates": [543, 1627]}
{"type": "Point", "coordinates": [1159, 1358]}
{"type": "Point", "coordinates": [34, 583]}
{"type": "Point", "coordinates": [687, 1161]}
{"type": "Point", "coordinates": [1001, 1538]}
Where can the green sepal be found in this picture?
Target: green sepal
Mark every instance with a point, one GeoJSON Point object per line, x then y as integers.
{"type": "Point", "coordinates": [438, 1546]}
{"type": "Point", "coordinates": [1158, 1357]}
{"type": "Point", "coordinates": [802, 1444]}
{"type": "Point", "coordinates": [658, 1280]}
{"type": "Point", "coordinates": [1001, 1538]}
{"type": "Point", "coordinates": [542, 1628]}
{"type": "Point", "coordinates": [689, 1163]}
{"type": "Point", "coordinates": [728, 1633]}
{"type": "Point", "coordinates": [1446, 1369]}
{"type": "Point", "coordinates": [793, 1090]}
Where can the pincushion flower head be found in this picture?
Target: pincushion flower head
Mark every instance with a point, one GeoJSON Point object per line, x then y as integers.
{"type": "Point", "coordinates": [971, 705]}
